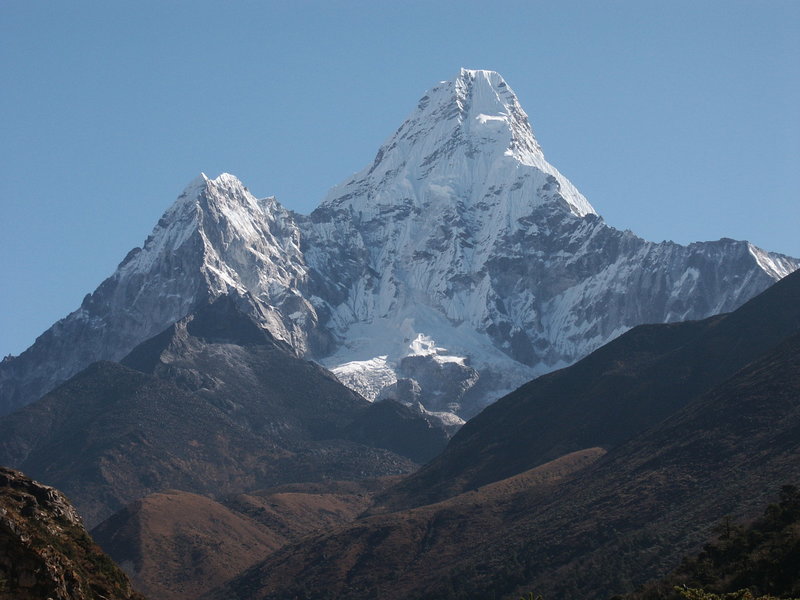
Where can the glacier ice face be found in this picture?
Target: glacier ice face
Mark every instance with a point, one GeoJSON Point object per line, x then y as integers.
{"type": "Point", "coordinates": [455, 267]}
{"type": "Point", "coordinates": [461, 231]}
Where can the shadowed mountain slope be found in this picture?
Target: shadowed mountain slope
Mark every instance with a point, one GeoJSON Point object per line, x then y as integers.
{"type": "Point", "coordinates": [222, 354]}
{"type": "Point", "coordinates": [225, 409]}
{"type": "Point", "coordinates": [403, 553]}
{"type": "Point", "coordinates": [176, 545]}
{"type": "Point", "coordinates": [613, 394]}
{"type": "Point", "coordinates": [762, 556]}
{"type": "Point", "coordinates": [597, 530]}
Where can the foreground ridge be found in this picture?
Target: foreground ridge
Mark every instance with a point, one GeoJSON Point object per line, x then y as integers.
{"type": "Point", "coordinates": [45, 552]}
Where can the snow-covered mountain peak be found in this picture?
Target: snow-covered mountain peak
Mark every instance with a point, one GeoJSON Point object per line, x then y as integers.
{"type": "Point", "coordinates": [228, 185]}
{"type": "Point", "coordinates": [454, 267]}
{"type": "Point", "coordinates": [249, 245]}
{"type": "Point", "coordinates": [201, 202]}
{"type": "Point", "coordinates": [467, 140]}
{"type": "Point", "coordinates": [224, 182]}
{"type": "Point", "coordinates": [490, 108]}
{"type": "Point", "coordinates": [194, 186]}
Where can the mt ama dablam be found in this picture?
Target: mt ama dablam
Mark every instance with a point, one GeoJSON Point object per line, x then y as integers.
{"type": "Point", "coordinates": [457, 266]}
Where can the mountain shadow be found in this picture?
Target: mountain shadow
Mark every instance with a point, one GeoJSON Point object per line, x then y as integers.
{"type": "Point", "coordinates": [605, 399]}
{"type": "Point", "coordinates": [600, 523]}
{"type": "Point", "coordinates": [223, 408]}
{"type": "Point", "coordinates": [762, 556]}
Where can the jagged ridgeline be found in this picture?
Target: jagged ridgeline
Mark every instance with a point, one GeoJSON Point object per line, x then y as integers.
{"type": "Point", "coordinates": [455, 267]}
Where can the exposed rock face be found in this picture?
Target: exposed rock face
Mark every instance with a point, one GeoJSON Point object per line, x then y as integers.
{"type": "Point", "coordinates": [44, 550]}
{"type": "Point", "coordinates": [441, 383]}
{"type": "Point", "coordinates": [212, 405]}
{"type": "Point", "coordinates": [215, 240]}
{"type": "Point", "coordinates": [459, 243]}
{"type": "Point", "coordinates": [408, 430]}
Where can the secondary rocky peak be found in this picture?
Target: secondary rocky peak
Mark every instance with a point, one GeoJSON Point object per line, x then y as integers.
{"type": "Point", "coordinates": [221, 195]}
{"type": "Point", "coordinates": [195, 186]}
{"type": "Point", "coordinates": [218, 229]}
{"type": "Point", "coordinates": [216, 239]}
{"type": "Point", "coordinates": [221, 202]}
{"type": "Point", "coordinates": [223, 190]}
{"type": "Point", "coordinates": [203, 181]}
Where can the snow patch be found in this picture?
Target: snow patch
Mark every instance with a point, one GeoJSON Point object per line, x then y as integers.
{"type": "Point", "coordinates": [776, 266]}
{"type": "Point", "coordinates": [483, 119]}
{"type": "Point", "coordinates": [424, 345]}
{"type": "Point", "coordinates": [367, 377]}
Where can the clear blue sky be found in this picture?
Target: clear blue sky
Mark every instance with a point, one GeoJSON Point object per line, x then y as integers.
{"type": "Point", "coordinates": [678, 120]}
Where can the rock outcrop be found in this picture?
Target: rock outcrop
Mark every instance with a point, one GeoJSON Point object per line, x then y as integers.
{"type": "Point", "coordinates": [45, 552]}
